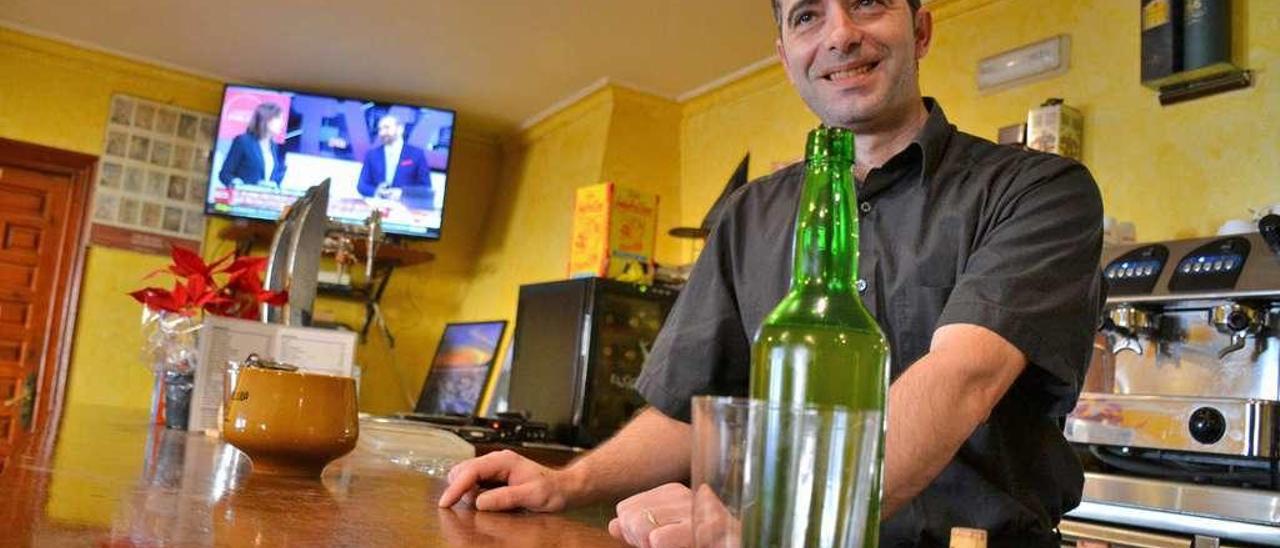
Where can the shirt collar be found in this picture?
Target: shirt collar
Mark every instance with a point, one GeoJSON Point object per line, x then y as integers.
{"type": "Point", "coordinates": [919, 160]}
{"type": "Point", "coordinates": [933, 137]}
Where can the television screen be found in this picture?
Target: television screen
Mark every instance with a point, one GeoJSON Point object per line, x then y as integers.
{"type": "Point", "coordinates": [271, 146]}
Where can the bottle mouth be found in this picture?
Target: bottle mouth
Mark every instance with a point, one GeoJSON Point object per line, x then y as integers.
{"type": "Point", "coordinates": [829, 144]}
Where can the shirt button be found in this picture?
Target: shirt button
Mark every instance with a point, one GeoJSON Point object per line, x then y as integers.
{"type": "Point", "coordinates": [865, 207]}
{"type": "Point", "coordinates": [861, 285]}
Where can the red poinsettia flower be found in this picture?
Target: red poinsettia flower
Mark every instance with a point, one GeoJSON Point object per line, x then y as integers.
{"type": "Point", "coordinates": [196, 287]}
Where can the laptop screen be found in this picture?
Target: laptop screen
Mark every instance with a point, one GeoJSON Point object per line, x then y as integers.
{"type": "Point", "coordinates": [460, 368]}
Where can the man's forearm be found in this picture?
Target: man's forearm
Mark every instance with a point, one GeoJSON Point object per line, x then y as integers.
{"type": "Point", "coordinates": [936, 405]}
{"type": "Point", "coordinates": [650, 450]}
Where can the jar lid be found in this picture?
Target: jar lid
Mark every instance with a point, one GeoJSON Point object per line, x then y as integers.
{"type": "Point", "coordinates": [256, 361]}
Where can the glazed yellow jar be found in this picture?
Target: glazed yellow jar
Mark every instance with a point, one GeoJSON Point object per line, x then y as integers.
{"type": "Point", "coordinates": [289, 422]}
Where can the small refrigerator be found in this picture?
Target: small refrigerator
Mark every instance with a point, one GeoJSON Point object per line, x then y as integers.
{"type": "Point", "coordinates": [579, 346]}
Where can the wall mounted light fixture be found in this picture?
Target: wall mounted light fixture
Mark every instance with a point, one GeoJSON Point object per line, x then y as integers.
{"type": "Point", "coordinates": [1031, 62]}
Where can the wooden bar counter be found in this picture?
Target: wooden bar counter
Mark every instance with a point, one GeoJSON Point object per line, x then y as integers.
{"type": "Point", "coordinates": [106, 478]}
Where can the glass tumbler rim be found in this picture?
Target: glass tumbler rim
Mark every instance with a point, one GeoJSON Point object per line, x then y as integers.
{"type": "Point", "coordinates": [772, 406]}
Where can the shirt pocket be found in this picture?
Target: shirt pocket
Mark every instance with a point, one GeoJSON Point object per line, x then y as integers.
{"type": "Point", "coordinates": [915, 318]}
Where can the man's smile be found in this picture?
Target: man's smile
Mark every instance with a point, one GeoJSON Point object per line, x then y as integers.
{"type": "Point", "coordinates": [851, 74]}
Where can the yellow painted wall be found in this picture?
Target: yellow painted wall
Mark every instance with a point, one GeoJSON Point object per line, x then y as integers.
{"type": "Point", "coordinates": [1176, 171]}
{"type": "Point", "coordinates": [1215, 150]}
{"type": "Point", "coordinates": [61, 99]}
{"type": "Point", "coordinates": [614, 134]}
{"type": "Point", "coordinates": [530, 211]}
{"type": "Point", "coordinates": [421, 299]}
{"type": "Point", "coordinates": [761, 114]}
{"type": "Point", "coordinates": [58, 95]}
{"type": "Point", "coordinates": [643, 151]}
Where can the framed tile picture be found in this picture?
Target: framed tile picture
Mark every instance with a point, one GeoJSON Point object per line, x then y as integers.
{"type": "Point", "coordinates": [151, 180]}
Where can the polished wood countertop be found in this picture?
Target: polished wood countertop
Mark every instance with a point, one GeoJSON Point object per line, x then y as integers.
{"type": "Point", "coordinates": [106, 478]}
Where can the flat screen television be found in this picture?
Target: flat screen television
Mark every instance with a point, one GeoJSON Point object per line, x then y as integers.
{"type": "Point", "coordinates": [272, 145]}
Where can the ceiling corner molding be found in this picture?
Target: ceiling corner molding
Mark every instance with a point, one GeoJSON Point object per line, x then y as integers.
{"type": "Point", "coordinates": [636, 88]}
{"type": "Point", "coordinates": [583, 93]}
{"type": "Point", "coordinates": [605, 82]}
{"type": "Point", "coordinates": [563, 104]}
{"type": "Point", "coordinates": [477, 137]}
{"type": "Point", "coordinates": [727, 79]}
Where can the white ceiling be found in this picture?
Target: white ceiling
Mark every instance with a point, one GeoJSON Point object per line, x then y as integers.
{"type": "Point", "coordinates": [498, 62]}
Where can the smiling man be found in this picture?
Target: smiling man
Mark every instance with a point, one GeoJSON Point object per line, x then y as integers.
{"type": "Point", "coordinates": [978, 261]}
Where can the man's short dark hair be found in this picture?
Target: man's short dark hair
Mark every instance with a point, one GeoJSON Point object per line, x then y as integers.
{"type": "Point", "coordinates": [777, 10]}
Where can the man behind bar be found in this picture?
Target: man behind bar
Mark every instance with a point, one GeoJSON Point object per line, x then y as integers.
{"type": "Point", "coordinates": [979, 262]}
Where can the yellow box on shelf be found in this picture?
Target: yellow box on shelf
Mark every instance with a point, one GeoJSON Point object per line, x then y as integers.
{"type": "Point", "coordinates": [613, 233]}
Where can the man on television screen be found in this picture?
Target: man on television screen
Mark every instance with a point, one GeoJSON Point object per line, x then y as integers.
{"type": "Point", "coordinates": [396, 170]}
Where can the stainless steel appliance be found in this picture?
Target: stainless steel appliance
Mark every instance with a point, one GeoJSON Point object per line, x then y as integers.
{"type": "Point", "coordinates": [1178, 424]}
{"type": "Point", "coordinates": [294, 259]}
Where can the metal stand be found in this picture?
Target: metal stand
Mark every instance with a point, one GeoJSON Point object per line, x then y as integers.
{"type": "Point", "coordinates": [373, 310]}
{"type": "Point", "coordinates": [377, 276]}
{"type": "Point", "coordinates": [381, 255]}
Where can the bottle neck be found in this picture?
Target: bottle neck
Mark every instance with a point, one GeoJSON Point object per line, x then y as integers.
{"type": "Point", "coordinates": [826, 232]}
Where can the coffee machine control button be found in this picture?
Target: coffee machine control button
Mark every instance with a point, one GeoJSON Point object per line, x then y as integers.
{"type": "Point", "coordinates": [1207, 425]}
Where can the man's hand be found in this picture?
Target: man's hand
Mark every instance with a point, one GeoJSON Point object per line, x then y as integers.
{"type": "Point", "coordinates": [529, 485]}
{"type": "Point", "coordinates": [651, 449]}
{"type": "Point", "coordinates": [716, 524]}
{"type": "Point", "coordinates": [657, 518]}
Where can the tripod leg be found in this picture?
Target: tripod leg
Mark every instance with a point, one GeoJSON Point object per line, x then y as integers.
{"type": "Point", "coordinates": [382, 325]}
{"type": "Point", "coordinates": [370, 312]}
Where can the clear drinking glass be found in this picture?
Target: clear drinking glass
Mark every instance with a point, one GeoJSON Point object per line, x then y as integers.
{"type": "Point", "coordinates": [768, 474]}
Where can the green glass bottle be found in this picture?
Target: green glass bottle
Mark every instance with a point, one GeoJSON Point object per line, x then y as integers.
{"type": "Point", "coordinates": [820, 349]}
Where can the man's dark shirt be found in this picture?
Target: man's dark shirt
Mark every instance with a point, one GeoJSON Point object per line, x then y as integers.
{"type": "Point", "coordinates": [954, 229]}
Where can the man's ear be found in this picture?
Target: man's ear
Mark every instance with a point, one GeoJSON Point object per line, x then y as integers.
{"type": "Point", "coordinates": [782, 56]}
{"type": "Point", "coordinates": [923, 31]}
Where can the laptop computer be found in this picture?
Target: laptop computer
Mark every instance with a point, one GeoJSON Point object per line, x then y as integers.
{"type": "Point", "coordinates": [460, 370]}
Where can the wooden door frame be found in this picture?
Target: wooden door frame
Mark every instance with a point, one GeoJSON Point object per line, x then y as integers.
{"type": "Point", "coordinates": [56, 353]}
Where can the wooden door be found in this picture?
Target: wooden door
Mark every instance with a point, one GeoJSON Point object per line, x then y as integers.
{"type": "Point", "coordinates": [42, 203]}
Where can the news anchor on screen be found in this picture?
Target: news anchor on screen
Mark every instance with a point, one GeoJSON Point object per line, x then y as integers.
{"type": "Point", "coordinates": [409, 178]}
{"type": "Point", "coordinates": [255, 158]}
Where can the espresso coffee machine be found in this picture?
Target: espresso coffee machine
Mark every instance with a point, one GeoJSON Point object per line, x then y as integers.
{"type": "Point", "coordinates": [1178, 423]}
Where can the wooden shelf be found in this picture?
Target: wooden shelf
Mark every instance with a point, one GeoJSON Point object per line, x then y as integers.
{"type": "Point", "coordinates": [251, 233]}
{"type": "Point", "coordinates": [248, 234]}
{"type": "Point", "coordinates": [360, 292]}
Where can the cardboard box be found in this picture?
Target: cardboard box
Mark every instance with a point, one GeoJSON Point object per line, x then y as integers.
{"type": "Point", "coordinates": [1015, 135]}
{"type": "Point", "coordinates": [1057, 128]}
{"type": "Point", "coordinates": [613, 233]}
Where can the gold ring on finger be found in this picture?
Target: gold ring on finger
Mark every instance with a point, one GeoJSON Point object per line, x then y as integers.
{"type": "Point", "coordinates": [648, 514]}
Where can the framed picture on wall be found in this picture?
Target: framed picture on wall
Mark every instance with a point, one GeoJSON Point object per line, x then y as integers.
{"type": "Point", "coordinates": [146, 196]}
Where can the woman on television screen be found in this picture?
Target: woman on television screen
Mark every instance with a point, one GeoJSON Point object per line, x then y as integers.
{"type": "Point", "coordinates": [255, 158]}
